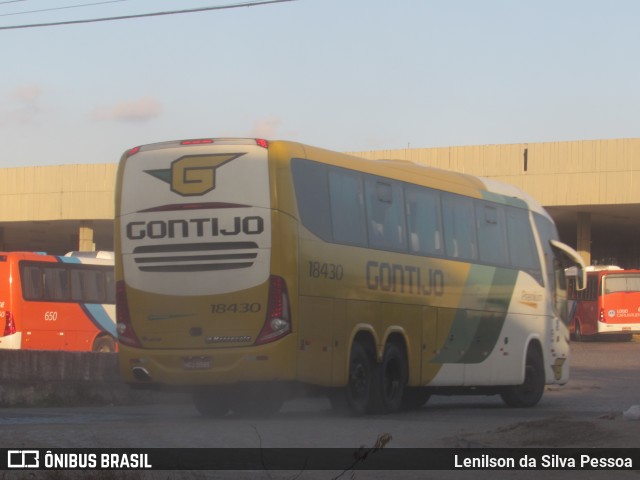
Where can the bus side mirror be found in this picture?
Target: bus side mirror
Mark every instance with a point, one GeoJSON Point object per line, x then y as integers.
{"type": "Point", "coordinates": [579, 274]}
{"type": "Point", "coordinates": [572, 262]}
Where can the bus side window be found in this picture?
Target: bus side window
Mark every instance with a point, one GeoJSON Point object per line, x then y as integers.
{"type": "Point", "coordinates": [492, 228]}
{"type": "Point", "coordinates": [459, 227]}
{"type": "Point", "coordinates": [584, 294]}
{"type": "Point", "coordinates": [424, 222]}
{"type": "Point", "coordinates": [31, 283]}
{"type": "Point", "coordinates": [592, 288]}
{"type": "Point", "coordinates": [347, 207]}
{"type": "Point", "coordinates": [88, 286]}
{"type": "Point", "coordinates": [56, 284]}
{"type": "Point", "coordinates": [312, 196]}
{"type": "Point", "coordinates": [76, 285]}
{"type": "Point", "coordinates": [385, 214]}
{"type": "Point", "coordinates": [522, 246]}
{"type": "Point", "coordinates": [110, 288]}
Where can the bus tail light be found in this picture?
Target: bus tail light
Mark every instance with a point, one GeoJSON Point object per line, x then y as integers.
{"type": "Point", "coordinates": [278, 321]}
{"type": "Point", "coordinates": [126, 335]}
{"type": "Point", "coordinates": [9, 324]}
{"type": "Point", "coordinates": [602, 316]}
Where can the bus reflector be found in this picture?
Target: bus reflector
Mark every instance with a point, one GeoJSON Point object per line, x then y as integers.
{"type": "Point", "coordinates": [9, 324]}
{"type": "Point", "coordinates": [278, 321]}
{"type": "Point", "coordinates": [199, 141]}
{"type": "Point", "coordinates": [126, 335]}
{"type": "Point", "coordinates": [133, 151]}
{"type": "Point", "coordinates": [262, 143]}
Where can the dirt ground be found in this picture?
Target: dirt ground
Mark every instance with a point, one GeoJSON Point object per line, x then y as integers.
{"type": "Point", "coordinates": [560, 431]}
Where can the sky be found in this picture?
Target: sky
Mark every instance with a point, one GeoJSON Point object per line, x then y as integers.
{"type": "Point", "coordinates": [347, 75]}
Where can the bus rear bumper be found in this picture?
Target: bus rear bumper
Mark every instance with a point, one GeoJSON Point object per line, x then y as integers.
{"type": "Point", "coordinates": [617, 328]}
{"type": "Point", "coordinates": [222, 366]}
{"type": "Point", "coordinates": [11, 342]}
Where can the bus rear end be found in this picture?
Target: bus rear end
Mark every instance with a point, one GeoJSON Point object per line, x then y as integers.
{"type": "Point", "coordinates": [197, 303]}
{"type": "Point", "coordinates": [619, 303]}
{"type": "Point", "coordinates": [10, 335]}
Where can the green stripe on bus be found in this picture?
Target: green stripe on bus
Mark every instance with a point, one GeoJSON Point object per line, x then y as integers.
{"type": "Point", "coordinates": [479, 319]}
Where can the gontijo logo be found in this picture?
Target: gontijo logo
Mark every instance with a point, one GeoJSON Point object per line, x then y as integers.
{"type": "Point", "coordinates": [193, 175]}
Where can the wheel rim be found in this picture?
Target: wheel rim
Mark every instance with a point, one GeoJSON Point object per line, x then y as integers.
{"type": "Point", "coordinates": [392, 379]}
{"type": "Point", "coordinates": [359, 382]}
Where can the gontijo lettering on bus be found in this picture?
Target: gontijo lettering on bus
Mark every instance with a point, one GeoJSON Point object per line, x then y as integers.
{"type": "Point", "coordinates": [194, 227]}
{"type": "Point", "coordinates": [395, 277]}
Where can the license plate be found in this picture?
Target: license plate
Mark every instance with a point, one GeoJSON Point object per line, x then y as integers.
{"type": "Point", "coordinates": [196, 363]}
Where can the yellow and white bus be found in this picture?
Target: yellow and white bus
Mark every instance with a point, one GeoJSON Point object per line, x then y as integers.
{"type": "Point", "coordinates": [247, 268]}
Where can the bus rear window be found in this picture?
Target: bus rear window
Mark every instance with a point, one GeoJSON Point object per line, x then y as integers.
{"type": "Point", "coordinates": [621, 283]}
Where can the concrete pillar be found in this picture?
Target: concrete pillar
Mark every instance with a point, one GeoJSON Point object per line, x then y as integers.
{"type": "Point", "coordinates": [85, 237]}
{"type": "Point", "coordinates": [584, 236]}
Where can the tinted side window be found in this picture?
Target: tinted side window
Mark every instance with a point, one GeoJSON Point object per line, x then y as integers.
{"type": "Point", "coordinates": [592, 288]}
{"type": "Point", "coordinates": [67, 283]}
{"type": "Point", "coordinates": [88, 286]}
{"type": "Point", "coordinates": [31, 283]}
{"type": "Point", "coordinates": [347, 207]}
{"type": "Point", "coordinates": [492, 241]}
{"type": "Point", "coordinates": [385, 214]}
{"type": "Point", "coordinates": [423, 220]}
{"type": "Point", "coordinates": [312, 194]}
{"type": "Point", "coordinates": [522, 247]}
{"type": "Point", "coordinates": [110, 279]}
{"type": "Point", "coordinates": [56, 284]}
{"type": "Point", "coordinates": [459, 227]}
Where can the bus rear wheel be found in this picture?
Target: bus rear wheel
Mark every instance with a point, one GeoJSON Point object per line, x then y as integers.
{"type": "Point", "coordinates": [359, 389]}
{"type": "Point", "coordinates": [391, 380]}
{"type": "Point", "coordinates": [529, 393]}
{"type": "Point", "coordinates": [104, 344]}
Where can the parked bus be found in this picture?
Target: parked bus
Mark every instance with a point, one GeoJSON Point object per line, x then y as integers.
{"type": "Point", "coordinates": [52, 302]}
{"type": "Point", "coordinates": [247, 268]}
{"type": "Point", "coordinates": [608, 306]}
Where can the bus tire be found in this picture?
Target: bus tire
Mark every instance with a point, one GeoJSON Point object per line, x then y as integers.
{"type": "Point", "coordinates": [529, 393]}
{"type": "Point", "coordinates": [391, 380]}
{"type": "Point", "coordinates": [104, 344]}
{"type": "Point", "coordinates": [211, 402]}
{"type": "Point", "coordinates": [359, 390]}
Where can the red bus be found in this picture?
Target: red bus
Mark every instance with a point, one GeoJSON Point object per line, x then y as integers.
{"type": "Point", "coordinates": [610, 305]}
{"type": "Point", "coordinates": [52, 302]}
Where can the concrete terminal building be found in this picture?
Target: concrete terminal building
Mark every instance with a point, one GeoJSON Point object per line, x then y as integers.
{"type": "Point", "coordinates": [591, 189]}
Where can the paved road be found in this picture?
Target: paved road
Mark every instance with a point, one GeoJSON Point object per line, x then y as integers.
{"type": "Point", "coordinates": [587, 412]}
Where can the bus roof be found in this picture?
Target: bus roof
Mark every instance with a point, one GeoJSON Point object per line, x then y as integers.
{"type": "Point", "coordinates": [600, 268]}
{"type": "Point", "coordinates": [411, 172]}
{"type": "Point", "coordinates": [403, 170]}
